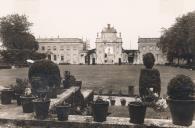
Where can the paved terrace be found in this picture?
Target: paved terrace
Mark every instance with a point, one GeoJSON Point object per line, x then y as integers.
{"type": "Point", "coordinates": [12, 114]}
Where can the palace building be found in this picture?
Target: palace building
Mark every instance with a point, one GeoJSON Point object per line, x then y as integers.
{"type": "Point", "coordinates": [146, 45]}
{"type": "Point", "coordinates": [109, 46]}
{"type": "Point", "coordinates": [108, 49]}
{"type": "Point", "coordinates": [63, 50]}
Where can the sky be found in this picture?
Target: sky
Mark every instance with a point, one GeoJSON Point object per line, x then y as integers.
{"type": "Point", "coordinates": [85, 18]}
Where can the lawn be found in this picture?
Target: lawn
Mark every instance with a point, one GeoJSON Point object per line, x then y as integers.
{"type": "Point", "coordinates": [104, 77]}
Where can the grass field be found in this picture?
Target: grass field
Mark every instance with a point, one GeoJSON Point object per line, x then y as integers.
{"type": "Point", "coordinates": [104, 77]}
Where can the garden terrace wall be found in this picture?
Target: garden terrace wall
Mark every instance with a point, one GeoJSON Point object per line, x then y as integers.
{"type": "Point", "coordinates": [76, 121]}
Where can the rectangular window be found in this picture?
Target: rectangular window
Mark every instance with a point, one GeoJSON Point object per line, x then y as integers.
{"type": "Point", "coordinates": [54, 57]}
{"type": "Point", "coordinates": [54, 48]}
{"type": "Point", "coordinates": [48, 48]}
{"type": "Point", "coordinates": [62, 58]}
{"type": "Point", "coordinates": [43, 48]}
{"type": "Point", "coordinates": [49, 57]}
{"type": "Point", "coordinates": [105, 55]}
{"type": "Point", "coordinates": [61, 48]}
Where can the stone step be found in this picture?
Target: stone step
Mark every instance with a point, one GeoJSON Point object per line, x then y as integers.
{"type": "Point", "coordinates": [68, 93]}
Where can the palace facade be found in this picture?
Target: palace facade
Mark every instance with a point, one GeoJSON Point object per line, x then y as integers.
{"type": "Point", "coordinates": [63, 50]}
{"type": "Point", "coordinates": [109, 46]}
{"type": "Point", "coordinates": [108, 49]}
{"type": "Point", "coordinates": [146, 45]}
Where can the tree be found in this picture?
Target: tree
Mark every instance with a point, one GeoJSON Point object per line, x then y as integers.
{"type": "Point", "coordinates": [15, 33]}
{"type": "Point", "coordinates": [19, 42]}
{"type": "Point", "coordinates": [178, 41]}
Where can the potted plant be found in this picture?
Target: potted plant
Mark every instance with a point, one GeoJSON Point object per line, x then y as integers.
{"type": "Point", "coordinates": [123, 101]}
{"type": "Point", "coordinates": [41, 105]}
{"type": "Point", "coordinates": [112, 100]}
{"type": "Point", "coordinates": [19, 89]}
{"type": "Point", "coordinates": [6, 96]}
{"type": "Point", "coordinates": [63, 111]}
{"type": "Point", "coordinates": [137, 110]}
{"type": "Point", "coordinates": [26, 101]}
{"type": "Point", "coordinates": [100, 110]}
{"type": "Point", "coordinates": [48, 72]}
{"type": "Point", "coordinates": [181, 100]}
{"type": "Point", "coordinates": [149, 77]}
{"type": "Point", "coordinates": [66, 79]}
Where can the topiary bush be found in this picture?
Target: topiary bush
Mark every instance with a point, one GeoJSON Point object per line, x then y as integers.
{"type": "Point", "coordinates": [47, 71]}
{"type": "Point", "coordinates": [20, 86]}
{"type": "Point", "coordinates": [180, 87]}
{"type": "Point", "coordinates": [149, 78]}
{"type": "Point", "coordinates": [148, 60]}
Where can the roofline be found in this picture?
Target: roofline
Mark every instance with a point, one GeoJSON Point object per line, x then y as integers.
{"type": "Point", "coordinates": [59, 40]}
{"type": "Point", "coordinates": [155, 38]}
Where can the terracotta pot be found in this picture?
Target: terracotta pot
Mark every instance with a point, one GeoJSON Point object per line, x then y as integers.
{"type": "Point", "coordinates": [63, 112]}
{"type": "Point", "coordinates": [100, 111]}
{"type": "Point", "coordinates": [182, 111]}
{"type": "Point", "coordinates": [137, 112]}
{"type": "Point", "coordinates": [6, 96]}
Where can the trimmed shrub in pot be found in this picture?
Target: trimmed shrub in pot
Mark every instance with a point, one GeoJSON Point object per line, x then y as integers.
{"type": "Point", "coordinates": [148, 60]}
{"type": "Point", "coordinates": [41, 105]}
{"type": "Point", "coordinates": [19, 89]}
{"type": "Point", "coordinates": [112, 100]}
{"type": "Point", "coordinates": [181, 100]}
{"type": "Point", "coordinates": [100, 110]}
{"type": "Point", "coordinates": [6, 96]}
{"type": "Point", "coordinates": [123, 101]}
{"type": "Point", "coordinates": [26, 101]}
{"type": "Point", "coordinates": [63, 111]}
{"type": "Point", "coordinates": [69, 81]}
{"type": "Point", "coordinates": [149, 77]}
{"type": "Point", "coordinates": [48, 72]}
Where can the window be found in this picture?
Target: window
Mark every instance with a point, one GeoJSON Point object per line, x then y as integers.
{"type": "Point", "coordinates": [48, 48]}
{"type": "Point", "coordinates": [62, 58]}
{"type": "Point", "coordinates": [54, 48]}
{"type": "Point", "coordinates": [105, 55]}
{"type": "Point", "coordinates": [43, 48]}
{"type": "Point", "coordinates": [61, 48]}
{"type": "Point", "coordinates": [49, 57]}
{"type": "Point", "coordinates": [55, 57]}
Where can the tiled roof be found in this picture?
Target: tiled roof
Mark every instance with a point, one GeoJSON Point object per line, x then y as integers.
{"type": "Point", "coordinates": [60, 40]}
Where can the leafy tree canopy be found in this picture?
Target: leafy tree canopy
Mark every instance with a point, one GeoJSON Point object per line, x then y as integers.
{"type": "Point", "coordinates": [178, 41]}
{"type": "Point", "coordinates": [15, 32]}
